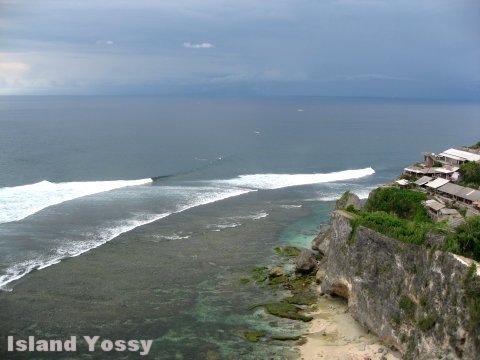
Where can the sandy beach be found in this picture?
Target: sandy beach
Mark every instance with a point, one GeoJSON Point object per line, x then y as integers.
{"type": "Point", "coordinates": [335, 335]}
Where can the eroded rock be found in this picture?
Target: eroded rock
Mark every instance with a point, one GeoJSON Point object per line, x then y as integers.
{"type": "Point", "coordinates": [305, 262]}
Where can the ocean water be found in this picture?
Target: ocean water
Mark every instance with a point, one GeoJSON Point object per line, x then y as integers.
{"type": "Point", "coordinates": [205, 184]}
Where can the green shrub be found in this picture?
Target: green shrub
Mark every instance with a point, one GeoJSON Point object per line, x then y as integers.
{"type": "Point", "coordinates": [475, 146]}
{"type": "Point", "coordinates": [406, 204]}
{"type": "Point", "coordinates": [465, 240]}
{"type": "Point", "coordinates": [410, 232]}
{"type": "Point", "coordinates": [471, 174]}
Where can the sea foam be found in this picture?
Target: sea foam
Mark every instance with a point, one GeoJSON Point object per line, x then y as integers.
{"type": "Point", "coordinates": [96, 238]}
{"type": "Point", "coordinates": [278, 181]}
{"type": "Point", "coordinates": [72, 249]}
{"type": "Point", "coordinates": [16, 203]}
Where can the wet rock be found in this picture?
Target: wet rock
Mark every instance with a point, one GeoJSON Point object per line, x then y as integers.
{"type": "Point", "coordinates": [287, 311]}
{"type": "Point", "coordinates": [320, 275]}
{"type": "Point", "coordinates": [285, 338]}
{"type": "Point", "coordinates": [305, 262]}
{"type": "Point", "coordinates": [275, 272]}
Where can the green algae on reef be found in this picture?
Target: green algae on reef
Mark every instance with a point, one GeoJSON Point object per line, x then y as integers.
{"type": "Point", "coordinates": [254, 335]}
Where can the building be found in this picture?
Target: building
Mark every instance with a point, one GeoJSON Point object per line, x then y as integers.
{"type": "Point", "coordinates": [456, 157]}
{"type": "Point", "coordinates": [456, 192]}
{"type": "Point", "coordinates": [423, 181]}
{"type": "Point", "coordinates": [434, 185]}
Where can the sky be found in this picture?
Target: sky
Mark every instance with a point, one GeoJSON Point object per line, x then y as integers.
{"type": "Point", "coordinates": [352, 48]}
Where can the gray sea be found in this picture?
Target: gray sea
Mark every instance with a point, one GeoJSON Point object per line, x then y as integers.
{"type": "Point", "coordinates": [183, 197]}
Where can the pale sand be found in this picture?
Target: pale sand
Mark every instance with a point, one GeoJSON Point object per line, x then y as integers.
{"type": "Point", "coordinates": [335, 335]}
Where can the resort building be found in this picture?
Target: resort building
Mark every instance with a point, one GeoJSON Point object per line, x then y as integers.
{"type": "Point", "coordinates": [456, 157]}
{"type": "Point", "coordinates": [438, 174]}
{"type": "Point", "coordinates": [456, 192]}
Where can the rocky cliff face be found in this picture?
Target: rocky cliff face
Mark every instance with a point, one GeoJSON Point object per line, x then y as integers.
{"type": "Point", "coordinates": [420, 301]}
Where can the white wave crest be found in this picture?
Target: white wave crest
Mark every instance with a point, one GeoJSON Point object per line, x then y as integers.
{"type": "Point", "coordinates": [16, 203]}
{"type": "Point", "coordinates": [73, 249]}
{"type": "Point", "coordinates": [334, 196]}
{"type": "Point", "coordinates": [278, 181]}
{"type": "Point", "coordinates": [259, 215]}
{"type": "Point", "coordinates": [290, 206]}
{"type": "Point", "coordinates": [96, 238]}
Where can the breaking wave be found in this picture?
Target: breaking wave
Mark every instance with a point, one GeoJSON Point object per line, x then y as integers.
{"type": "Point", "coordinates": [99, 237]}
{"type": "Point", "coordinates": [278, 181]}
{"type": "Point", "coordinates": [73, 249]}
{"type": "Point", "coordinates": [16, 203]}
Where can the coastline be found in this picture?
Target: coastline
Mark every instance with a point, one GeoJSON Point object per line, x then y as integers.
{"type": "Point", "coordinates": [182, 295]}
{"type": "Point", "coordinates": [334, 334]}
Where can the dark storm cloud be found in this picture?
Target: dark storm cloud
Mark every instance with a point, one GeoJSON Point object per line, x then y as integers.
{"type": "Point", "coordinates": [403, 48]}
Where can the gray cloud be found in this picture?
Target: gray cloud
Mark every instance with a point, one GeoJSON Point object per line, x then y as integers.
{"type": "Point", "coordinates": [403, 48]}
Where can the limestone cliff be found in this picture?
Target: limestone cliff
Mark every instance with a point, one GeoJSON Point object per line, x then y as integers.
{"type": "Point", "coordinates": [416, 299]}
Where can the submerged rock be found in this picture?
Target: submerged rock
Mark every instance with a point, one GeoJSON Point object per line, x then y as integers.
{"type": "Point", "coordinates": [287, 311]}
{"type": "Point", "coordinates": [305, 262]}
{"type": "Point", "coordinates": [285, 338]}
{"type": "Point", "coordinates": [254, 335]}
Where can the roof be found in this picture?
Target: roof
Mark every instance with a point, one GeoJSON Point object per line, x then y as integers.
{"type": "Point", "coordinates": [434, 205]}
{"type": "Point", "coordinates": [447, 211]}
{"type": "Point", "coordinates": [423, 180]}
{"type": "Point", "coordinates": [470, 194]}
{"type": "Point", "coordinates": [435, 184]}
{"type": "Point", "coordinates": [419, 170]}
{"type": "Point", "coordinates": [402, 182]}
{"type": "Point", "coordinates": [460, 191]}
{"type": "Point", "coordinates": [460, 155]}
{"type": "Point", "coordinates": [444, 170]}
{"type": "Point", "coordinates": [451, 189]}
{"type": "Point", "coordinates": [414, 169]}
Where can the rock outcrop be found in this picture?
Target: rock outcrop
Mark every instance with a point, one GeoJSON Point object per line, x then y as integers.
{"type": "Point", "coordinates": [322, 241]}
{"type": "Point", "coordinates": [348, 199]}
{"type": "Point", "coordinates": [421, 301]}
{"type": "Point", "coordinates": [305, 262]}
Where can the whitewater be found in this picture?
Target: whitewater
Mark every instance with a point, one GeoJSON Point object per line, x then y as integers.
{"type": "Point", "coordinates": [134, 203]}
{"type": "Point", "coordinates": [16, 203]}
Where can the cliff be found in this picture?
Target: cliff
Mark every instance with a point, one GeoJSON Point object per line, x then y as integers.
{"type": "Point", "coordinates": [423, 302]}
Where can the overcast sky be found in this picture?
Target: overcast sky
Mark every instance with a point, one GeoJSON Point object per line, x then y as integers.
{"type": "Point", "coordinates": [381, 48]}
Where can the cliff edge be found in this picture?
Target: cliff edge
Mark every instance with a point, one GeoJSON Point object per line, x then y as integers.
{"type": "Point", "coordinates": [418, 300]}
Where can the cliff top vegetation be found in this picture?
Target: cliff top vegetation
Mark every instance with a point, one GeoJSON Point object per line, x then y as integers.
{"type": "Point", "coordinates": [399, 213]}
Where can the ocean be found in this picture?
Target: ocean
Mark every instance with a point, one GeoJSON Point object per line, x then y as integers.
{"type": "Point", "coordinates": [138, 216]}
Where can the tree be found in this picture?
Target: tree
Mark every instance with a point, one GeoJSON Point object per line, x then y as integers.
{"type": "Point", "coordinates": [466, 239]}
{"type": "Point", "coordinates": [471, 173]}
